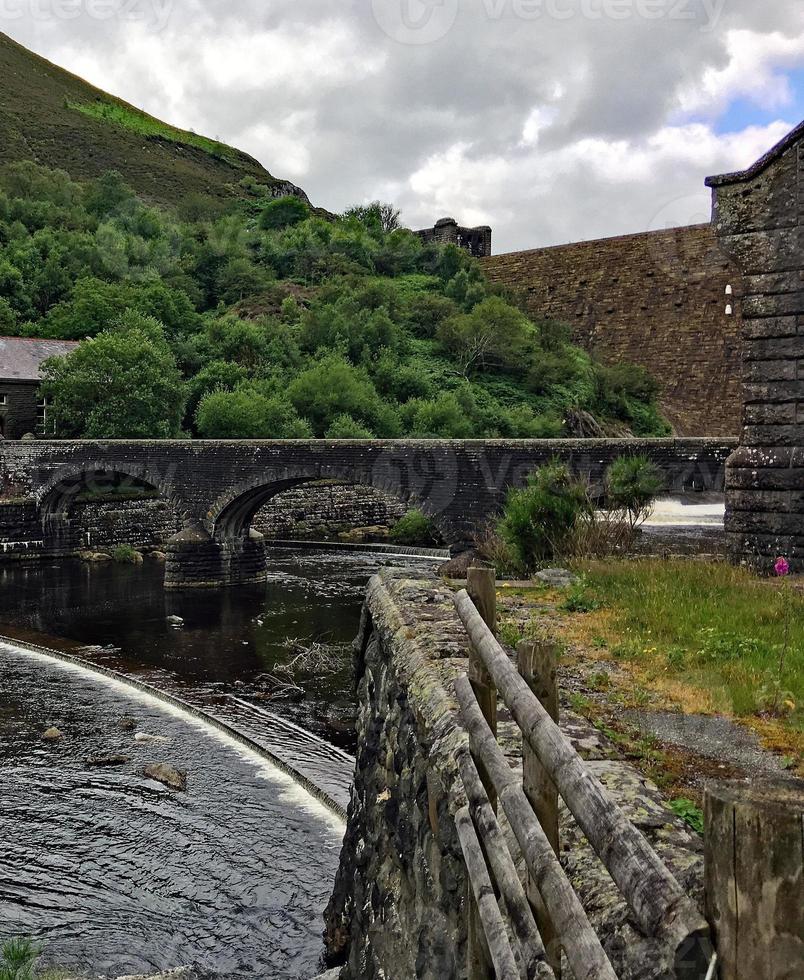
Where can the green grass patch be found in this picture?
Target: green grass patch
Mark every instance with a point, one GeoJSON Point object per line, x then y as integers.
{"type": "Point", "coordinates": [120, 114]}
{"type": "Point", "coordinates": [712, 626]}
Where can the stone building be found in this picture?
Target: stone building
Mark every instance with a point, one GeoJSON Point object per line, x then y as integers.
{"type": "Point", "coordinates": [22, 410]}
{"type": "Point", "coordinates": [447, 231]}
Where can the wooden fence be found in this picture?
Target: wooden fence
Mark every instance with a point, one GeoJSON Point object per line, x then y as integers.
{"type": "Point", "coordinates": [545, 926]}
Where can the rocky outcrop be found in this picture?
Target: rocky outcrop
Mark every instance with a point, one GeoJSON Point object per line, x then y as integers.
{"type": "Point", "coordinates": [166, 774]}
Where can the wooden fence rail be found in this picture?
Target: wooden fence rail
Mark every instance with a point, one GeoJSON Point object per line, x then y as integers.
{"type": "Point", "coordinates": [754, 842]}
{"type": "Point", "coordinates": [552, 767]}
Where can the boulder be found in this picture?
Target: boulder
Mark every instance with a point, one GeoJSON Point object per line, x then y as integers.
{"type": "Point", "coordinates": [159, 556]}
{"type": "Point", "coordinates": [52, 735]}
{"type": "Point", "coordinates": [163, 772]}
{"type": "Point", "coordinates": [556, 578]}
{"type": "Point", "coordinates": [93, 557]}
{"type": "Point", "coordinates": [127, 724]}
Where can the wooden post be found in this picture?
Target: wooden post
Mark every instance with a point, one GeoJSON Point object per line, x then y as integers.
{"type": "Point", "coordinates": [481, 584]}
{"type": "Point", "coordinates": [754, 838]}
{"type": "Point", "coordinates": [538, 663]}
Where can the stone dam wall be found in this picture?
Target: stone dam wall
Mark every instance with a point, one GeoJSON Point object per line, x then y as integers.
{"type": "Point", "coordinates": [657, 299]}
{"type": "Point", "coordinates": [399, 907]}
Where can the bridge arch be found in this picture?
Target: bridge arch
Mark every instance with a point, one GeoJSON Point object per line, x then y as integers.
{"type": "Point", "coordinates": [232, 514]}
{"type": "Point", "coordinates": [55, 498]}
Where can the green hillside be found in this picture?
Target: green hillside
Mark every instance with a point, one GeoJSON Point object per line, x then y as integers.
{"type": "Point", "coordinates": [217, 303]}
{"type": "Point", "coordinates": [58, 120]}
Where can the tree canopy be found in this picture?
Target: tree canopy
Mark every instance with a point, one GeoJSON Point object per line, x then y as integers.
{"type": "Point", "coordinates": [266, 319]}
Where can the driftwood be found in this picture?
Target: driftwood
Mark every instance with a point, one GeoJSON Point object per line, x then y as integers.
{"type": "Point", "coordinates": [532, 952]}
{"type": "Point", "coordinates": [657, 901]}
{"type": "Point", "coordinates": [496, 935]}
{"type": "Point", "coordinates": [585, 955]}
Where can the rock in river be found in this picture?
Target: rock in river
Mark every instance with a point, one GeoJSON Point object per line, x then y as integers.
{"type": "Point", "coordinates": [52, 735]}
{"type": "Point", "coordinates": [166, 774]}
{"type": "Point", "coordinates": [106, 761]}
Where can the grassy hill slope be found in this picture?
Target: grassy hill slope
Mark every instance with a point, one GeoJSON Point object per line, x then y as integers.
{"type": "Point", "coordinates": [58, 120]}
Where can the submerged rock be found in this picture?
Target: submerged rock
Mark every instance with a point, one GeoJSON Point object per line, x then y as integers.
{"type": "Point", "coordinates": [145, 737]}
{"type": "Point", "coordinates": [106, 761]}
{"type": "Point", "coordinates": [166, 774]}
{"type": "Point", "coordinates": [127, 724]}
{"type": "Point", "coordinates": [52, 735]}
{"type": "Point", "coordinates": [93, 557]}
{"type": "Point", "coordinates": [175, 621]}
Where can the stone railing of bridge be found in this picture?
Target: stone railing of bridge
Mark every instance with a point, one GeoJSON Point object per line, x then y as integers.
{"type": "Point", "coordinates": [216, 488]}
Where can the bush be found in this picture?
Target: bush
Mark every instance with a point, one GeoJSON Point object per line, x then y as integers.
{"type": "Point", "coordinates": [248, 414]}
{"type": "Point", "coordinates": [124, 554]}
{"type": "Point", "coordinates": [415, 529]}
{"type": "Point", "coordinates": [632, 484]}
{"type": "Point", "coordinates": [345, 427]}
{"type": "Point", "coordinates": [283, 213]}
{"type": "Point", "coordinates": [18, 960]}
{"type": "Point", "coordinates": [538, 521]}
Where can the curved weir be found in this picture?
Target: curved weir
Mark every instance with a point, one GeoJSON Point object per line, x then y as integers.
{"type": "Point", "coordinates": [114, 873]}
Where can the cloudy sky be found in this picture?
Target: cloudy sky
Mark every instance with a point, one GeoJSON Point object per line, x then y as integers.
{"type": "Point", "coordinates": [551, 120]}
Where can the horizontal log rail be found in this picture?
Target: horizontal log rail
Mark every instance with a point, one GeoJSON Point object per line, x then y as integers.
{"type": "Point", "coordinates": [584, 953]}
{"type": "Point", "coordinates": [499, 947]}
{"type": "Point", "coordinates": [532, 954]}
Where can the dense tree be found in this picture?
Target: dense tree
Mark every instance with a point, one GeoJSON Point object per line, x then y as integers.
{"type": "Point", "coordinates": [272, 320]}
{"type": "Point", "coordinates": [122, 384]}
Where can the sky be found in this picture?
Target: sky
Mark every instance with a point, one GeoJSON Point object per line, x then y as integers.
{"type": "Point", "coordinates": [551, 120]}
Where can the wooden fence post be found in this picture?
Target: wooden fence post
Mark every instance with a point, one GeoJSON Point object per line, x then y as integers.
{"type": "Point", "coordinates": [481, 585]}
{"type": "Point", "coordinates": [538, 665]}
{"type": "Point", "coordinates": [753, 843]}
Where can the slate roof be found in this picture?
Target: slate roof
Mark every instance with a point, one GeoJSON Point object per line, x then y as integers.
{"type": "Point", "coordinates": [21, 357]}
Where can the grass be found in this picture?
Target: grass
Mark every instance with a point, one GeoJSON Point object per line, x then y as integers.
{"type": "Point", "coordinates": [62, 121]}
{"type": "Point", "coordinates": [120, 114]}
{"type": "Point", "coordinates": [124, 554]}
{"type": "Point", "coordinates": [709, 637]}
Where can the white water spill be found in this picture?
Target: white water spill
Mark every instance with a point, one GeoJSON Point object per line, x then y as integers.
{"type": "Point", "coordinates": [695, 510]}
{"type": "Point", "coordinates": [114, 873]}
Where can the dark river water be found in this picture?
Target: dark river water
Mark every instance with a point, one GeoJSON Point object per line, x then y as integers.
{"type": "Point", "coordinates": [110, 871]}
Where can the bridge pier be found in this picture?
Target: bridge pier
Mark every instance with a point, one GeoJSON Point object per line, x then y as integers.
{"type": "Point", "coordinates": [59, 535]}
{"type": "Point", "coordinates": [196, 560]}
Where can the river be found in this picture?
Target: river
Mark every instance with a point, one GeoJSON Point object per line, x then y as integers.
{"type": "Point", "coordinates": [110, 871]}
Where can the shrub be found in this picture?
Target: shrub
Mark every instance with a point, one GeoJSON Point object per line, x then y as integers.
{"type": "Point", "coordinates": [345, 427]}
{"type": "Point", "coordinates": [18, 959]}
{"type": "Point", "coordinates": [248, 414]}
{"type": "Point", "coordinates": [538, 520]}
{"type": "Point", "coordinates": [283, 213]}
{"type": "Point", "coordinates": [632, 484]}
{"type": "Point", "coordinates": [124, 554]}
{"type": "Point", "coordinates": [415, 528]}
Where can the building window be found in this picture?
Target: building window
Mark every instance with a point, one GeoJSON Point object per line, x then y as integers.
{"type": "Point", "coordinates": [3, 399]}
{"type": "Point", "coordinates": [44, 423]}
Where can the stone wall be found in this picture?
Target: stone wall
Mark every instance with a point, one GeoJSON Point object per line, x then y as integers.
{"type": "Point", "coordinates": [320, 512]}
{"type": "Point", "coordinates": [656, 299]}
{"type": "Point", "coordinates": [759, 217]}
{"type": "Point", "coordinates": [19, 412]}
{"type": "Point", "coordinates": [399, 909]}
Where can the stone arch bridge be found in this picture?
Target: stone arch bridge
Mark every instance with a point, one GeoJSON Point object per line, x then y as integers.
{"type": "Point", "coordinates": [217, 487]}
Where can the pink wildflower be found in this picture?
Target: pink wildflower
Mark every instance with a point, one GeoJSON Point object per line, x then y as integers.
{"type": "Point", "coordinates": [782, 567]}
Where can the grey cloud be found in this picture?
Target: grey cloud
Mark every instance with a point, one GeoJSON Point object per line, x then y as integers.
{"type": "Point", "coordinates": [615, 81]}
